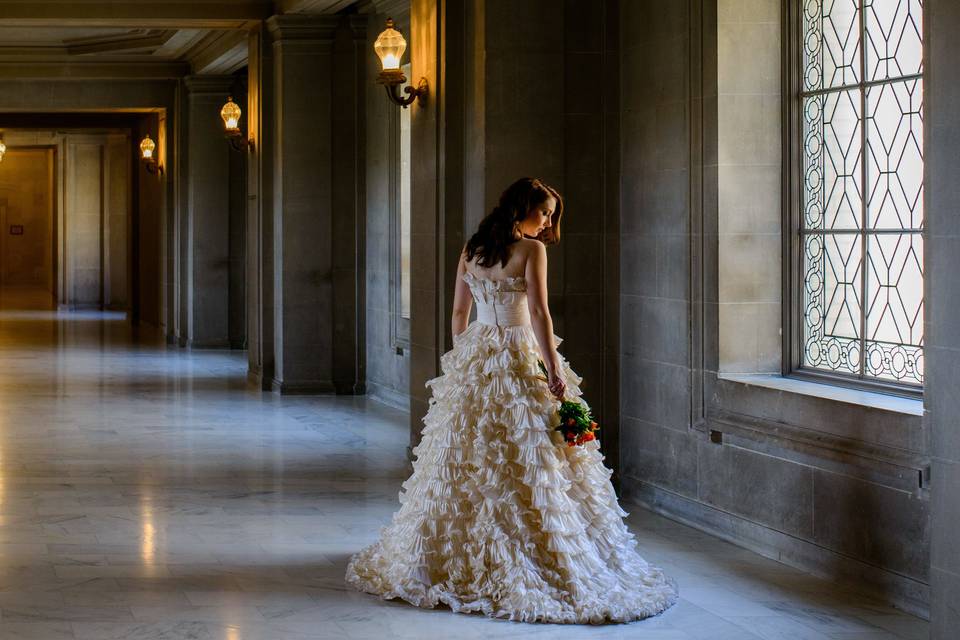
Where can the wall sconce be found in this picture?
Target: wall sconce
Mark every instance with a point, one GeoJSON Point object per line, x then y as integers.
{"type": "Point", "coordinates": [3, 148]}
{"type": "Point", "coordinates": [147, 146]}
{"type": "Point", "coordinates": [389, 47]}
{"type": "Point", "coordinates": [231, 123]}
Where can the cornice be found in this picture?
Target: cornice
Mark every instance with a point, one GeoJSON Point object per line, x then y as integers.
{"type": "Point", "coordinates": [93, 70]}
{"type": "Point", "coordinates": [299, 27]}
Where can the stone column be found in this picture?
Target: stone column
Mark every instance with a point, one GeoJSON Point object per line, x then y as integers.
{"type": "Point", "coordinates": [208, 213]}
{"type": "Point", "coordinates": [942, 351]}
{"type": "Point", "coordinates": [299, 108]}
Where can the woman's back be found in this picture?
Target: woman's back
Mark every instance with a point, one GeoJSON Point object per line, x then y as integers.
{"type": "Point", "coordinates": [515, 267]}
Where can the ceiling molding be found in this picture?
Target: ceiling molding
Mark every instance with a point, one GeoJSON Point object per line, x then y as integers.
{"type": "Point", "coordinates": [180, 43]}
{"type": "Point", "coordinates": [137, 40]}
{"type": "Point", "coordinates": [219, 52]}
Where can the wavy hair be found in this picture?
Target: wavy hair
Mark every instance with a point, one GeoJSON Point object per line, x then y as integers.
{"type": "Point", "coordinates": [495, 233]}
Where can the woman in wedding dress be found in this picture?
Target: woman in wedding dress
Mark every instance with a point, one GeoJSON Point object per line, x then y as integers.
{"type": "Point", "coordinates": [500, 515]}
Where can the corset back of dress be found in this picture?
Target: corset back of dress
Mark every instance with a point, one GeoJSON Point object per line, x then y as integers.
{"type": "Point", "coordinates": [500, 302]}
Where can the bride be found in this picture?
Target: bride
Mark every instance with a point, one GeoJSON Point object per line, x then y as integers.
{"type": "Point", "coordinates": [500, 515]}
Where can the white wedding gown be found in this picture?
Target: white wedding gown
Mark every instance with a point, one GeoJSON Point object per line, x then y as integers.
{"type": "Point", "coordinates": [499, 515]}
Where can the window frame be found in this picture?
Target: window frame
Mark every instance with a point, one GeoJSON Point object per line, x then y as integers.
{"type": "Point", "coordinates": [399, 325]}
{"type": "Point", "coordinates": [792, 184]}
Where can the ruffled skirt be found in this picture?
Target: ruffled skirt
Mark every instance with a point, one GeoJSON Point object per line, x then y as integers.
{"type": "Point", "coordinates": [499, 516]}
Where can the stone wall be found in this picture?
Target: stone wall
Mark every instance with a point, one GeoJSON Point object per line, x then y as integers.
{"type": "Point", "coordinates": [942, 331]}
{"type": "Point", "coordinates": [749, 164]}
{"type": "Point", "coordinates": [830, 486]}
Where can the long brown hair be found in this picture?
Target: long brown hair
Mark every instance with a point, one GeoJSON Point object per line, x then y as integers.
{"type": "Point", "coordinates": [495, 233]}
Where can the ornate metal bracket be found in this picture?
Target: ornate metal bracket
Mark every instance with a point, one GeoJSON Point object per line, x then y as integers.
{"type": "Point", "coordinates": [238, 143]}
{"type": "Point", "coordinates": [391, 81]}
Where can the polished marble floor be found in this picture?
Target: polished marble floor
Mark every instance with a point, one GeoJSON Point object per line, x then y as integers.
{"type": "Point", "coordinates": [147, 493]}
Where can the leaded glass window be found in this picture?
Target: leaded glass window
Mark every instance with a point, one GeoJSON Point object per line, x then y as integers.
{"type": "Point", "coordinates": [861, 195]}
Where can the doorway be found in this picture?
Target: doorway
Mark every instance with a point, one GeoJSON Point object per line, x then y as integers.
{"type": "Point", "coordinates": [27, 229]}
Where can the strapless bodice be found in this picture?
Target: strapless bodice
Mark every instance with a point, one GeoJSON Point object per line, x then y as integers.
{"type": "Point", "coordinates": [501, 302]}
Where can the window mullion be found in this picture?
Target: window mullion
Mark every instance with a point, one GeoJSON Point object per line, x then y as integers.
{"type": "Point", "coordinates": [864, 246]}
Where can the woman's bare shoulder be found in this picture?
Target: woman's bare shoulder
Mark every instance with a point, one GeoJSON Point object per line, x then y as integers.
{"type": "Point", "coordinates": [532, 247]}
{"type": "Point", "coordinates": [529, 245]}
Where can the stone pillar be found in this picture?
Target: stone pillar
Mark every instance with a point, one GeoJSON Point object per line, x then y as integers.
{"type": "Point", "coordinates": [208, 213]}
{"type": "Point", "coordinates": [300, 109]}
{"type": "Point", "coordinates": [349, 205]}
{"type": "Point", "coordinates": [942, 295]}
{"type": "Point", "coordinates": [489, 65]}
{"type": "Point", "coordinates": [434, 226]}
{"type": "Point", "coordinates": [259, 247]}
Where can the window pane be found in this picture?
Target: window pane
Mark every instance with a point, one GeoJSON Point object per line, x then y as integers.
{"type": "Point", "coordinates": [831, 302]}
{"type": "Point", "coordinates": [893, 38]}
{"type": "Point", "coordinates": [831, 44]}
{"type": "Point", "coordinates": [895, 156]}
{"type": "Point", "coordinates": [895, 307]}
{"type": "Point", "coordinates": [832, 173]}
{"type": "Point", "coordinates": [862, 188]}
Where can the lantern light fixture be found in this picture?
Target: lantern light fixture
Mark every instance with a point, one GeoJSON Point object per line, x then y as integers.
{"type": "Point", "coordinates": [230, 113]}
{"type": "Point", "coordinates": [147, 147]}
{"type": "Point", "coordinates": [3, 148]}
{"type": "Point", "coordinates": [389, 47]}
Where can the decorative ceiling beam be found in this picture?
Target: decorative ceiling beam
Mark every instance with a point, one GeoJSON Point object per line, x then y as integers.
{"type": "Point", "coordinates": [315, 7]}
{"type": "Point", "coordinates": [215, 14]}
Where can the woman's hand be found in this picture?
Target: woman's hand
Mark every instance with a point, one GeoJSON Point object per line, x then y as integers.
{"type": "Point", "coordinates": [555, 382]}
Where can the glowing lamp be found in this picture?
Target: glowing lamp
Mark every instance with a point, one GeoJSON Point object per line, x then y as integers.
{"type": "Point", "coordinates": [389, 47]}
{"type": "Point", "coordinates": [231, 116]}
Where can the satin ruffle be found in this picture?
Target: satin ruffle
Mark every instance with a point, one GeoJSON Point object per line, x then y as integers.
{"type": "Point", "coordinates": [499, 516]}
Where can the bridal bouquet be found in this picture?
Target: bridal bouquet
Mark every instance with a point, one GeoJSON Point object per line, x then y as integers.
{"type": "Point", "coordinates": [575, 423]}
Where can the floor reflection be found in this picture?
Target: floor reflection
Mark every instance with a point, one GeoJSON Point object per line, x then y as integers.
{"type": "Point", "coordinates": [147, 492]}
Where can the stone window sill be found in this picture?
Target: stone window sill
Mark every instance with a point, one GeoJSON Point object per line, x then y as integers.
{"type": "Point", "coordinates": [831, 392]}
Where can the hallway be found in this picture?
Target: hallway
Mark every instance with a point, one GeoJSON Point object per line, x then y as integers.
{"type": "Point", "coordinates": [146, 492]}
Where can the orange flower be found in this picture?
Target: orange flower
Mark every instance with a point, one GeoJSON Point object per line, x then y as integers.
{"type": "Point", "coordinates": [588, 437]}
{"type": "Point", "coordinates": [593, 426]}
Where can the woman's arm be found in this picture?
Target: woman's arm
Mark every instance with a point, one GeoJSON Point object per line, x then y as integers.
{"type": "Point", "coordinates": [542, 323]}
{"type": "Point", "coordinates": [462, 300]}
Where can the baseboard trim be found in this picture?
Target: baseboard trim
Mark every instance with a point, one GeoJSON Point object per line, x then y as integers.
{"type": "Point", "coordinates": [303, 387]}
{"type": "Point", "coordinates": [387, 396]}
{"type": "Point", "coordinates": [900, 591]}
{"type": "Point", "coordinates": [209, 345]}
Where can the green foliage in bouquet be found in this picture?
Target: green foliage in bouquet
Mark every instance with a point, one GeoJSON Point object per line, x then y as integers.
{"type": "Point", "coordinates": [576, 425]}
